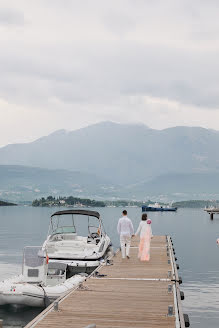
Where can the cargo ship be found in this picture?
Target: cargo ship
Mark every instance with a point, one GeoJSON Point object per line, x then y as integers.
{"type": "Point", "coordinates": [156, 207]}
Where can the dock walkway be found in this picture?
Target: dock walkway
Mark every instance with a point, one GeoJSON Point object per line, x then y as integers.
{"type": "Point", "coordinates": [128, 293]}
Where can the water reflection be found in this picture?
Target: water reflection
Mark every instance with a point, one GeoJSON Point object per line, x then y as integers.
{"type": "Point", "coordinates": [9, 270]}
{"type": "Point", "coordinates": [17, 317]}
{"type": "Point", "coordinates": [201, 297]}
{"type": "Point", "coordinates": [202, 303]}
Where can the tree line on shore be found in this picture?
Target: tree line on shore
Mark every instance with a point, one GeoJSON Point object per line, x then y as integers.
{"type": "Point", "coordinates": [86, 202]}
{"type": "Point", "coordinates": [196, 203]}
{"type": "Point", "coordinates": [3, 203]}
{"type": "Point", "coordinates": [80, 202]}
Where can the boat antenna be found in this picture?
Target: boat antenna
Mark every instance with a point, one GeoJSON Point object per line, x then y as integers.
{"type": "Point", "coordinates": [88, 224]}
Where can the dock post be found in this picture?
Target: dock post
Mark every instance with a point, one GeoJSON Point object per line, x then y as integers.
{"type": "Point", "coordinates": [1, 323]}
{"type": "Point", "coordinates": [211, 216]}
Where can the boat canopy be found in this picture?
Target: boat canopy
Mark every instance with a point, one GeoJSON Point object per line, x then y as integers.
{"type": "Point", "coordinates": [80, 212]}
{"type": "Point", "coordinates": [65, 222]}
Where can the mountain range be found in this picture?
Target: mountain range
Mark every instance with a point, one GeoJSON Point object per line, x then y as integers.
{"type": "Point", "coordinates": [109, 159]}
{"type": "Point", "coordinates": [21, 183]}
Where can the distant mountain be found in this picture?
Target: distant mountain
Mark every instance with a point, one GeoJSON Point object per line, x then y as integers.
{"type": "Point", "coordinates": [177, 187]}
{"type": "Point", "coordinates": [26, 183]}
{"type": "Point", "coordinates": [120, 153]}
{"type": "Point", "coordinates": [20, 183]}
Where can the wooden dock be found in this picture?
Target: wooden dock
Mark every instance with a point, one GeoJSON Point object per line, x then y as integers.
{"type": "Point", "coordinates": [212, 211]}
{"type": "Point", "coordinates": [128, 293]}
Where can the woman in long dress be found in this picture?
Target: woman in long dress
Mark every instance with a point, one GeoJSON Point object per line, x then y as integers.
{"type": "Point", "coordinates": [145, 231]}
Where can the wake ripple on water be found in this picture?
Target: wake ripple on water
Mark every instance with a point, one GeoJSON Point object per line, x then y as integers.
{"type": "Point", "coordinates": [202, 302]}
{"type": "Point", "coordinates": [8, 270]}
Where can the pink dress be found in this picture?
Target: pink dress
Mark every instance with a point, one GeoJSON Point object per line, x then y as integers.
{"type": "Point", "coordinates": [145, 240]}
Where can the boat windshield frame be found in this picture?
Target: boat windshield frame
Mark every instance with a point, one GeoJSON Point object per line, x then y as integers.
{"type": "Point", "coordinates": [59, 229]}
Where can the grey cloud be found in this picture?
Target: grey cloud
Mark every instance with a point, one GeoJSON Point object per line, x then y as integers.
{"type": "Point", "coordinates": [11, 17]}
{"type": "Point", "coordinates": [79, 62]}
{"type": "Point", "coordinates": [94, 70]}
{"type": "Point", "coordinates": [118, 22]}
{"type": "Point", "coordinates": [185, 76]}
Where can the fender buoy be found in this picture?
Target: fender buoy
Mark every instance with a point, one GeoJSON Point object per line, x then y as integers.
{"type": "Point", "coordinates": [186, 319]}
{"type": "Point", "coordinates": [218, 241]}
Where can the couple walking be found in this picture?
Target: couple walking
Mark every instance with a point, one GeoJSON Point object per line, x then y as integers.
{"type": "Point", "coordinates": [126, 231]}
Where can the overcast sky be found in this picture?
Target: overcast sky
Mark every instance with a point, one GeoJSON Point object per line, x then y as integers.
{"type": "Point", "coordinates": [67, 64]}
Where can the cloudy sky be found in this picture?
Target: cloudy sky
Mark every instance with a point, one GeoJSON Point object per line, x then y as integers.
{"type": "Point", "coordinates": [67, 64]}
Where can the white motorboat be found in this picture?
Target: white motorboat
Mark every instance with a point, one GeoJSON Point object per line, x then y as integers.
{"type": "Point", "coordinates": [212, 209]}
{"type": "Point", "coordinates": [40, 282]}
{"type": "Point", "coordinates": [77, 238]}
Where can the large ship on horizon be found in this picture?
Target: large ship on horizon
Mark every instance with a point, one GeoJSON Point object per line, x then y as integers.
{"type": "Point", "coordinates": [156, 207]}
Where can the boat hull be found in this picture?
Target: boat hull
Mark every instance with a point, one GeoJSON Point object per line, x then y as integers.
{"type": "Point", "coordinates": [211, 210]}
{"type": "Point", "coordinates": [87, 264]}
{"type": "Point", "coordinates": [76, 267]}
{"type": "Point", "coordinates": [17, 292]}
{"type": "Point", "coordinates": [154, 209]}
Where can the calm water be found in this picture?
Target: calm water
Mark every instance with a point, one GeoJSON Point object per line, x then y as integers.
{"type": "Point", "coordinates": [194, 237]}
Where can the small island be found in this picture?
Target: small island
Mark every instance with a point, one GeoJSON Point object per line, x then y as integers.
{"type": "Point", "coordinates": [3, 203]}
{"type": "Point", "coordinates": [67, 202]}
{"type": "Point", "coordinates": [195, 203]}
{"type": "Point", "coordinates": [71, 201]}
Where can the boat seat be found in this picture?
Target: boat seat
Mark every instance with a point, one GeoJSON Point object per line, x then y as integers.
{"type": "Point", "coordinates": [69, 237]}
{"type": "Point", "coordinates": [70, 244]}
{"type": "Point", "coordinates": [59, 237]}
{"type": "Point", "coordinates": [93, 241]}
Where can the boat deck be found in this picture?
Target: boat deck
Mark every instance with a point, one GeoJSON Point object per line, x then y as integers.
{"type": "Point", "coordinates": [128, 293]}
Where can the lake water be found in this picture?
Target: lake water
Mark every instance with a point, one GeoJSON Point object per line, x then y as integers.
{"type": "Point", "coordinates": [194, 236]}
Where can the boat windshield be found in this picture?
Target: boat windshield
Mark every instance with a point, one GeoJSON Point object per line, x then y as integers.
{"type": "Point", "coordinates": [64, 230]}
{"type": "Point", "coordinates": [63, 224]}
{"type": "Point", "coordinates": [93, 226]}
